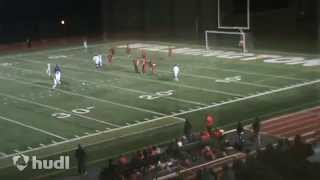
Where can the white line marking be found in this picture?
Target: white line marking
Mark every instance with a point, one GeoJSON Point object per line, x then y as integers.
{"type": "Point", "coordinates": [29, 147]}
{"type": "Point", "coordinates": [42, 145]}
{"type": "Point", "coordinates": [252, 73]}
{"type": "Point", "coordinates": [246, 98]}
{"type": "Point", "coordinates": [85, 96]}
{"type": "Point", "coordinates": [33, 128]}
{"type": "Point", "coordinates": [2, 154]}
{"type": "Point", "coordinates": [17, 151]}
{"type": "Point", "coordinates": [144, 79]}
{"type": "Point", "coordinates": [58, 109]}
{"type": "Point", "coordinates": [116, 87]}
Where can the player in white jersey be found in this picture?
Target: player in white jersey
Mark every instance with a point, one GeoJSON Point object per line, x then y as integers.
{"type": "Point", "coordinates": [176, 72]}
{"type": "Point", "coordinates": [98, 61]}
{"type": "Point", "coordinates": [85, 44]}
{"type": "Point", "coordinates": [49, 70]}
{"type": "Point", "coordinates": [57, 77]}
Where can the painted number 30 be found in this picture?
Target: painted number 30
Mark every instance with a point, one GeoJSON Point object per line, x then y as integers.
{"type": "Point", "coordinates": [157, 95]}
{"type": "Point", "coordinates": [75, 111]}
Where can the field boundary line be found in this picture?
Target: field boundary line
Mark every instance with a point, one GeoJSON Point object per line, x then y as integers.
{"type": "Point", "coordinates": [291, 114]}
{"type": "Point", "coordinates": [246, 98]}
{"type": "Point", "coordinates": [57, 109]}
{"type": "Point", "coordinates": [102, 159]}
{"type": "Point", "coordinates": [85, 96]}
{"type": "Point", "coordinates": [32, 127]}
{"type": "Point", "coordinates": [42, 51]}
{"type": "Point", "coordinates": [92, 135]}
{"type": "Point", "coordinates": [254, 73]}
{"type": "Point", "coordinates": [116, 87]}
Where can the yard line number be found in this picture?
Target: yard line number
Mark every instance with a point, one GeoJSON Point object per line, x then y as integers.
{"type": "Point", "coordinates": [157, 95]}
{"type": "Point", "coordinates": [62, 115]}
{"type": "Point", "coordinates": [229, 79]}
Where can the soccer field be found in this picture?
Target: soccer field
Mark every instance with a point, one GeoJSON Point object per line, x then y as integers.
{"type": "Point", "coordinates": [97, 106]}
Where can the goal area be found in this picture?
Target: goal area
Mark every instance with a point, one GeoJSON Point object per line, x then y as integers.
{"type": "Point", "coordinates": [236, 41]}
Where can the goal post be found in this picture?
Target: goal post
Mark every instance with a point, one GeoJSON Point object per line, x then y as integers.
{"type": "Point", "coordinates": [227, 40]}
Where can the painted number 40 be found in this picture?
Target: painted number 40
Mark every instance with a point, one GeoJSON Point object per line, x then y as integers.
{"type": "Point", "coordinates": [157, 95]}
{"type": "Point", "coordinates": [75, 111]}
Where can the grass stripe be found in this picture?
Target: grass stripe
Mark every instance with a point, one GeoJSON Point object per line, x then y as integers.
{"type": "Point", "coordinates": [85, 96]}
{"type": "Point", "coordinates": [58, 109]}
{"type": "Point", "coordinates": [33, 128]}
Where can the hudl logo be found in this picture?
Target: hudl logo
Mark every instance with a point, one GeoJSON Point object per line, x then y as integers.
{"type": "Point", "coordinates": [22, 161]}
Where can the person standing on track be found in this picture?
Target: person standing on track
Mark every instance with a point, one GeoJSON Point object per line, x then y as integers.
{"type": "Point", "coordinates": [81, 157]}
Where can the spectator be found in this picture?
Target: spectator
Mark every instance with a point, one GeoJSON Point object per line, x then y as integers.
{"type": "Point", "coordinates": [81, 158]}
{"type": "Point", "coordinates": [187, 129]}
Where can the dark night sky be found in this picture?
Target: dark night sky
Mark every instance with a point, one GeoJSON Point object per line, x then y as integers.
{"type": "Point", "coordinates": [40, 18]}
{"type": "Point", "coordinates": [20, 10]}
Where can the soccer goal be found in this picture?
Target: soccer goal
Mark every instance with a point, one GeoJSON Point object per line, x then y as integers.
{"type": "Point", "coordinates": [226, 40]}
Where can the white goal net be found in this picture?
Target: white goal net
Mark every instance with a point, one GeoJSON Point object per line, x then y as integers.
{"type": "Point", "coordinates": [226, 40]}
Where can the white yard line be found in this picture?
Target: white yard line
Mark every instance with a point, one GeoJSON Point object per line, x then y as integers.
{"type": "Point", "coordinates": [246, 98]}
{"type": "Point", "coordinates": [253, 73]}
{"type": "Point", "coordinates": [157, 119]}
{"type": "Point", "coordinates": [33, 128]}
{"type": "Point", "coordinates": [91, 135]}
{"type": "Point", "coordinates": [211, 78]}
{"type": "Point", "coordinates": [144, 79]}
{"type": "Point", "coordinates": [117, 87]}
{"type": "Point", "coordinates": [58, 109]}
{"type": "Point", "coordinates": [85, 96]}
{"type": "Point", "coordinates": [237, 82]}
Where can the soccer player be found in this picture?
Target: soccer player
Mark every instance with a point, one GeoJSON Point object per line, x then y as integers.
{"type": "Point", "coordinates": [98, 61]}
{"type": "Point", "coordinates": [85, 44]}
{"type": "Point", "coordinates": [153, 67]}
{"type": "Point", "coordinates": [170, 51]}
{"type": "Point", "coordinates": [128, 50]}
{"type": "Point", "coordinates": [110, 59]}
{"type": "Point", "coordinates": [136, 65]}
{"type": "Point", "coordinates": [176, 72]}
{"type": "Point", "coordinates": [144, 61]}
{"type": "Point", "coordinates": [57, 77]}
{"type": "Point", "coordinates": [49, 70]}
{"type": "Point", "coordinates": [144, 65]}
{"type": "Point", "coordinates": [112, 51]}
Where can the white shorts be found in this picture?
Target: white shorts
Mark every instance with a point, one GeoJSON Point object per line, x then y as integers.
{"type": "Point", "coordinates": [57, 76]}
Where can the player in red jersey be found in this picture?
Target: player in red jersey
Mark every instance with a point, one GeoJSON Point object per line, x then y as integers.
{"type": "Point", "coordinates": [144, 54]}
{"type": "Point", "coordinates": [170, 52]}
{"type": "Point", "coordinates": [112, 51]}
{"type": "Point", "coordinates": [110, 59]}
{"type": "Point", "coordinates": [136, 65]}
{"type": "Point", "coordinates": [153, 67]}
{"type": "Point", "coordinates": [144, 65]}
{"type": "Point", "coordinates": [128, 51]}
